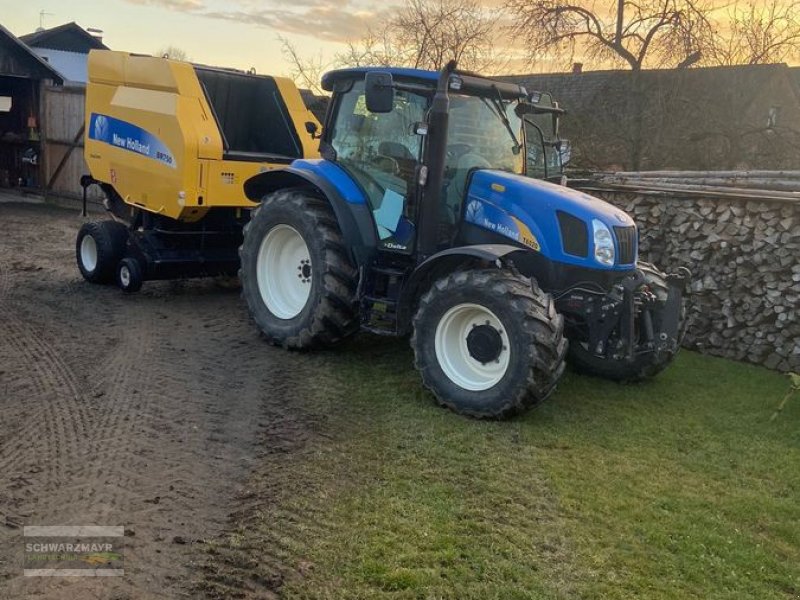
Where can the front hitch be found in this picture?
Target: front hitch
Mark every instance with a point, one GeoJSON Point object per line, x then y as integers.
{"type": "Point", "coordinates": [639, 315]}
{"type": "Point", "coordinates": [669, 336]}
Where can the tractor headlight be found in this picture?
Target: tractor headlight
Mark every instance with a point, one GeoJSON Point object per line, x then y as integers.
{"type": "Point", "coordinates": [603, 243]}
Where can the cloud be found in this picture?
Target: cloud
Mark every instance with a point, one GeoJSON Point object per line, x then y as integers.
{"type": "Point", "coordinates": [321, 19]}
{"type": "Point", "coordinates": [324, 22]}
{"type": "Point", "coordinates": [178, 5]}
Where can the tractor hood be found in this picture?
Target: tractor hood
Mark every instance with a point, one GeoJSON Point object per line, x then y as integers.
{"type": "Point", "coordinates": [549, 218]}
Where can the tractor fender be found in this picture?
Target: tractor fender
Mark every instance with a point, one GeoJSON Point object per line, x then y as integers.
{"type": "Point", "coordinates": [444, 262]}
{"type": "Point", "coordinates": [354, 219]}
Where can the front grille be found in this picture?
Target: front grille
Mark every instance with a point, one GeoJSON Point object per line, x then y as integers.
{"type": "Point", "coordinates": [574, 235]}
{"type": "Point", "coordinates": [626, 244]}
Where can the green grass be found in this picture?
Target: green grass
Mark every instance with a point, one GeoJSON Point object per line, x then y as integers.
{"type": "Point", "coordinates": [678, 488]}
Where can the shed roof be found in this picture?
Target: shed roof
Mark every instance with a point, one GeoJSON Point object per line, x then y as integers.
{"type": "Point", "coordinates": [69, 37]}
{"type": "Point", "coordinates": [17, 60]}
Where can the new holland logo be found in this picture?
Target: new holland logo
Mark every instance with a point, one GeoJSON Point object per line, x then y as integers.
{"type": "Point", "coordinates": [474, 211]}
{"type": "Point", "coordinates": [101, 128]}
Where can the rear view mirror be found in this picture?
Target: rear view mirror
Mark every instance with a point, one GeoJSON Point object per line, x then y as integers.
{"type": "Point", "coordinates": [564, 152]}
{"type": "Point", "coordinates": [311, 129]}
{"type": "Point", "coordinates": [379, 90]}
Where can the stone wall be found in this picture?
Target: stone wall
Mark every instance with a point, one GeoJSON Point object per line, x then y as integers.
{"type": "Point", "coordinates": [744, 255]}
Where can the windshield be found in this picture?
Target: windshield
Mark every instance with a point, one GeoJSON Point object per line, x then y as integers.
{"type": "Point", "coordinates": [479, 137]}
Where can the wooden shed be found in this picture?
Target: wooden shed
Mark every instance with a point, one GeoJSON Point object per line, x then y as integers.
{"type": "Point", "coordinates": [23, 78]}
{"type": "Point", "coordinates": [41, 138]}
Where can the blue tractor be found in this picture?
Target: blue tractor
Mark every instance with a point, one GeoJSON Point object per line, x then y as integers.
{"type": "Point", "coordinates": [429, 215]}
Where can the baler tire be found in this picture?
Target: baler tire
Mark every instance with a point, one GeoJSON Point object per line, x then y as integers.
{"type": "Point", "coordinates": [642, 367]}
{"type": "Point", "coordinates": [129, 275]}
{"type": "Point", "coordinates": [330, 313]}
{"type": "Point", "coordinates": [107, 247]}
{"type": "Point", "coordinates": [527, 320]}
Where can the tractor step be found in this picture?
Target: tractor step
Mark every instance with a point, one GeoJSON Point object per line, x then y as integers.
{"type": "Point", "coordinates": [379, 315]}
{"type": "Point", "coordinates": [379, 299]}
{"type": "Point", "coordinates": [388, 271]}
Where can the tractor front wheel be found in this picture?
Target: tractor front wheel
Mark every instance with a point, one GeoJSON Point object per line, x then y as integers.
{"type": "Point", "coordinates": [488, 343]}
{"type": "Point", "coordinates": [297, 277]}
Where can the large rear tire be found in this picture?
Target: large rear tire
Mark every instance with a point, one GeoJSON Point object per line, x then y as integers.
{"type": "Point", "coordinates": [488, 343]}
{"type": "Point", "coordinates": [297, 276]}
{"type": "Point", "coordinates": [99, 247]}
{"type": "Point", "coordinates": [643, 366]}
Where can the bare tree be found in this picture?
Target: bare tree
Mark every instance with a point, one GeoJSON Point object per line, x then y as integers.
{"type": "Point", "coordinates": [423, 34]}
{"type": "Point", "coordinates": [426, 34]}
{"type": "Point", "coordinates": [756, 33]}
{"type": "Point", "coordinates": [306, 71]}
{"type": "Point", "coordinates": [174, 53]}
{"type": "Point", "coordinates": [633, 33]}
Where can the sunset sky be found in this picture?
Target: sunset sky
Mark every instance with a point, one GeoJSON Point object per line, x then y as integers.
{"type": "Point", "coordinates": [233, 33]}
{"type": "Point", "coordinates": [230, 33]}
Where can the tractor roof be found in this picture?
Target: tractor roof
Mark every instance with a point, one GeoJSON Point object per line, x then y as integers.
{"type": "Point", "coordinates": [470, 81]}
{"type": "Point", "coordinates": [328, 79]}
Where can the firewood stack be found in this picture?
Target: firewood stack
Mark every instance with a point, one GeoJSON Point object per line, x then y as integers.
{"type": "Point", "coordinates": [744, 253]}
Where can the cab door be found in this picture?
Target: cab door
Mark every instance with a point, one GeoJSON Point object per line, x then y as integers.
{"type": "Point", "coordinates": [382, 152]}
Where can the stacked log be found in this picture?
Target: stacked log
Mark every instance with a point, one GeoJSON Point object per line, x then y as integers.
{"type": "Point", "coordinates": [744, 254]}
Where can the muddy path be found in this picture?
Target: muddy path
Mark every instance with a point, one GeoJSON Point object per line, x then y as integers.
{"type": "Point", "coordinates": [147, 411]}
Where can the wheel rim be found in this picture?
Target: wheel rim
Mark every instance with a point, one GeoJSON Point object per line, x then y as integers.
{"type": "Point", "coordinates": [124, 275]}
{"type": "Point", "coordinates": [89, 253]}
{"type": "Point", "coordinates": [283, 272]}
{"type": "Point", "coordinates": [453, 352]}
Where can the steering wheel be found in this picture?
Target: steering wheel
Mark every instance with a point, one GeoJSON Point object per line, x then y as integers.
{"type": "Point", "coordinates": [387, 164]}
{"type": "Point", "coordinates": [456, 151]}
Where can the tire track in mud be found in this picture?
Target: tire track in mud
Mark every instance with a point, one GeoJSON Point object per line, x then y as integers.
{"type": "Point", "coordinates": [42, 421]}
{"type": "Point", "coordinates": [55, 413]}
{"type": "Point", "coordinates": [273, 525]}
{"type": "Point", "coordinates": [148, 411]}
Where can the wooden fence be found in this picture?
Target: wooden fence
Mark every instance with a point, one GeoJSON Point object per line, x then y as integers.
{"type": "Point", "coordinates": [62, 118]}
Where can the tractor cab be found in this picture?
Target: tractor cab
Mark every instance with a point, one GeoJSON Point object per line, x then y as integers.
{"type": "Point", "coordinates": [415, 163]}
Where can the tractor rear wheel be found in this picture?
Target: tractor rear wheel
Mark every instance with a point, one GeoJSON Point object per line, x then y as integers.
{"type": "Point", "coordinates": [297, 277]}
{"type": "Point", "coordinates": [99, 247]}
{"type": "Point", "coordinates": [642, 366]}
{"type": "Point", "coordinates": [488, 343]}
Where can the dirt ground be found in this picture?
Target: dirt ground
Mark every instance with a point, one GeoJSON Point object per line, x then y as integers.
{"type": "Point", "coordinates": [148, 411]}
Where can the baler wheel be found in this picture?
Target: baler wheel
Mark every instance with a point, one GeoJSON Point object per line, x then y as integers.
{"type": "Point", "coordinates": [99, 247]}
{"type": "Point", "coordinates": [129, 275]}
{"type": "Point", "coordinates": [488, 343]}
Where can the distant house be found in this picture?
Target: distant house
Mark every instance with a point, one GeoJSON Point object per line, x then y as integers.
{"type": "Point", "coordinates": [702, 118]}
{"type": "Point", "coordinates": [66, 48]}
